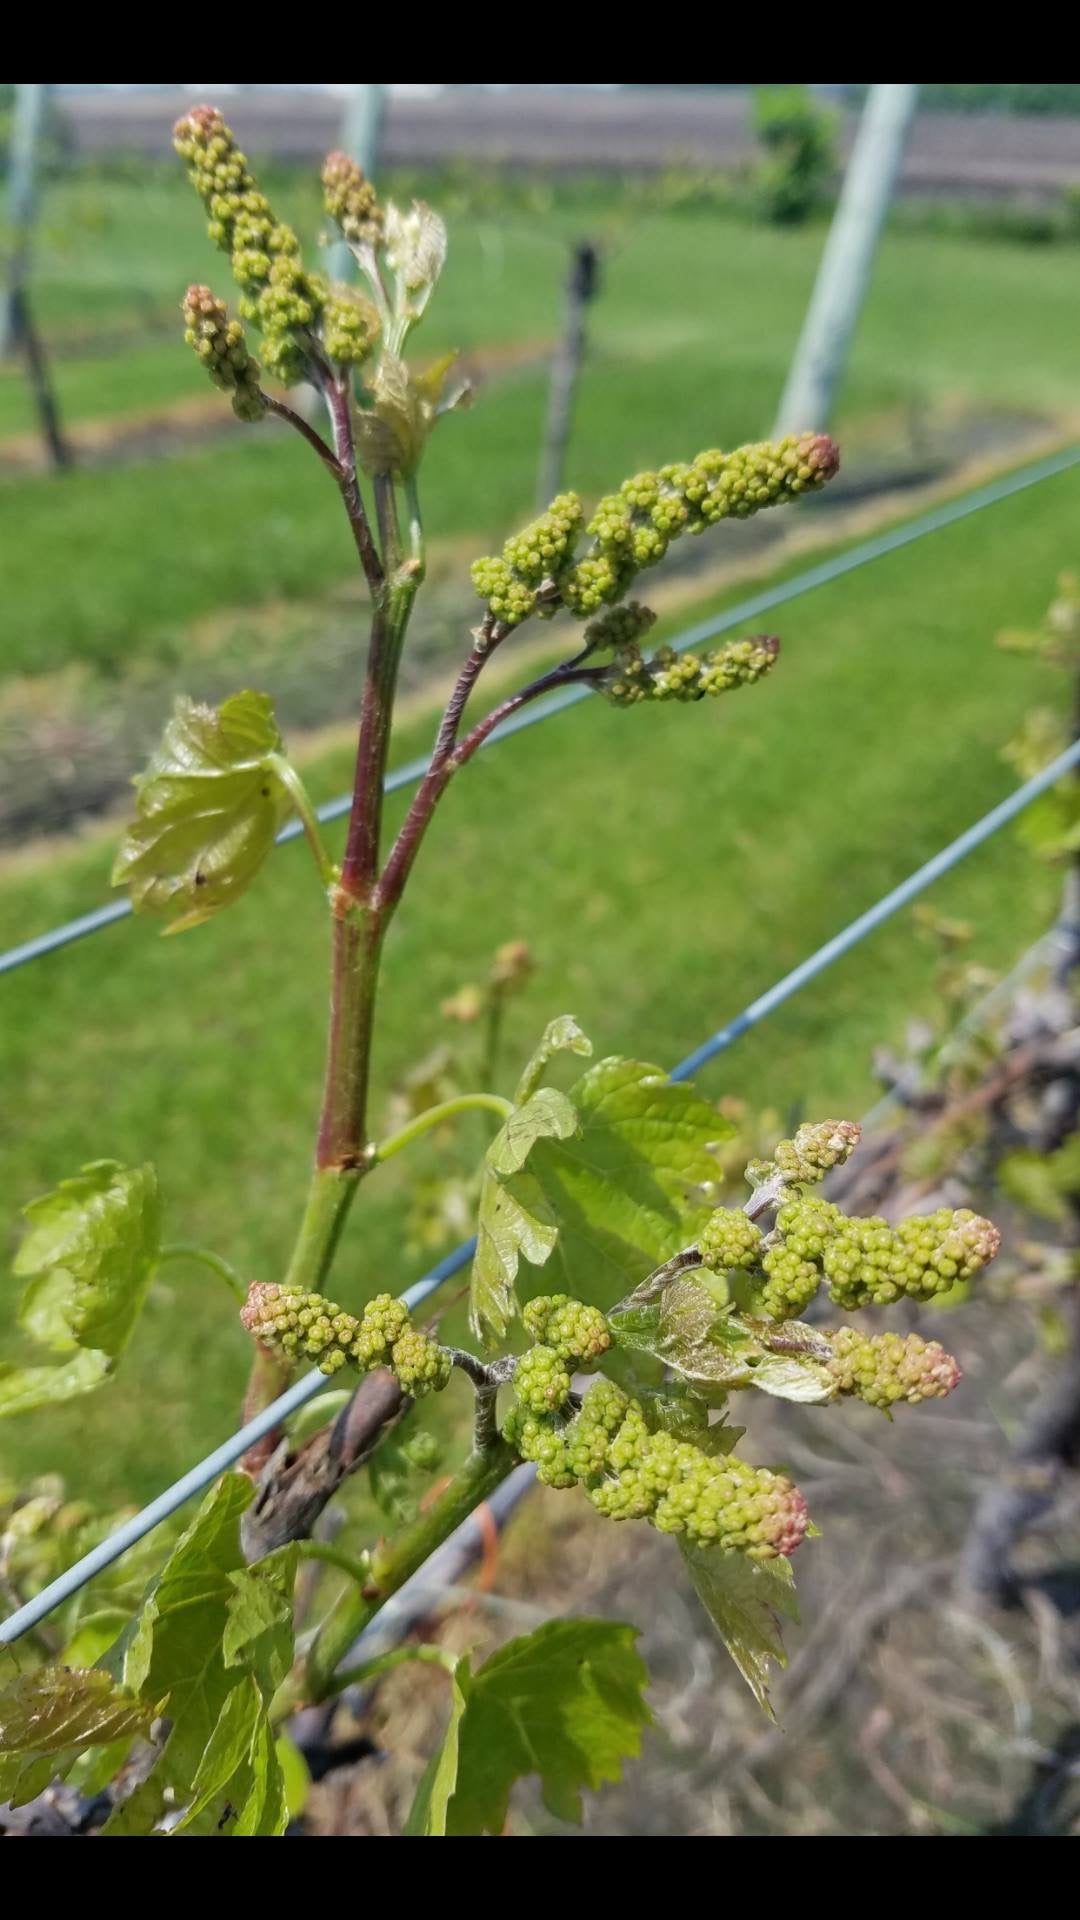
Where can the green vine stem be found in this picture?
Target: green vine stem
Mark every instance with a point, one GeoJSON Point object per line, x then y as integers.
{"type": "Point", "coordinates": [301, 800]}
{"type": "Point", "coordinates": [327, 1555]}
{"type": "Point", "coordinates": [397, 1561]}
{"type": "Point", "coordinates": [180, 1250]}
{"type": "Point", "coordinates": [367, 1670]}
{"type": "Point", "coordinates": [435, 1116]}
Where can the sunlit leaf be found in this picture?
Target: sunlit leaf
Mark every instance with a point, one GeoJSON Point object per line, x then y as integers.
{"type": "Point", "coordinates": [605, 1205]}
{"type": "Point", "coordinates": [747, 1602]}
{"type": "Point", "coordinates": [428, 1814]}
{"type": "Point", "coordinates": [90, 1248]}
{"type": "Point", "coordinates": [23, 1389]}
{"type": "Point", "coordinates": [562, 1035]}
{"type": "Point", "coordinates": [238, 1789]}
{"type": "Point", "coordinates": [50, 1716]}
{"type": "Point", "coordinates": [565, 1703]}
{"type": "Point", "coordinates": [207, 810]}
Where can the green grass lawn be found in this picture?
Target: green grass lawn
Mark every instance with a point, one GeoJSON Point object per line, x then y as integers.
{"type": "Point", "coordinates": [666, 865]}
{"type": "Point", "coordinates": [690, 340]}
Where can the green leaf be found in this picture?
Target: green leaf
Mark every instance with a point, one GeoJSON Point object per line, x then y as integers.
{"type": "Point", "coordinates": [1043, 1182]}
{"type": "Point", "coordinates": [512, 1225]}
{"type": "Point", "coordinates": [792, 1376]}
{"type": "Point", "coordinates": [506, 1231]}
{"type": "Point", "coordinates": [50, 1716]}
{"type": "Point", "coordinates": [562, 1035]}
{"type": "Point", "coordinates": [428, 1814]}
{"type": "Point", "coordinates": [546, 1115]}
{"type": "Point", "coordinates": [259, 1630]}
{"type": "Point", "coordinates": [295, 1775]}
{"type": "Point", "coordinates": [212, 1628]}
{"type": "Point", "coordinates": [609, 1203]}
{"type": "Point", "coordinates": [688, 1333]}
{"type": "Point", "coordinates": [746, 1600]}
{"type": "Point", "coordinates": [207, 810]}
{"type": "Point", "coordinates": [626, 1193]}
{"type": "Point", "coordinates": [565, 1702]}
{"type": "Point", "coordinates": [91, 1248]}
{"type": "Point", "coordinates": [178, 1644]}
{"type": "Point", "coordinates": [23, 1389]}
{"type": "Point", "coordinates": [239, 1789]}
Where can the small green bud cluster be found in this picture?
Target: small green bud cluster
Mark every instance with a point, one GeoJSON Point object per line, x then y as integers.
{"type": "Point", "coordinates": [541, 1438]}
{"type": "Point", "coordinates": [886, 1368]}
{"type": "Point", "coordinates": [541, 1381]}
{"type": "Point", "coordinates": [351, 200]}
{"type": "Point", "coordinates": [350, 326]}
{"type": "Point", "coordinates": [421, 1365]}
{"type": "Point", "coordinates": [792, 1278]}
{"type": "Point", "coordinates": [729, 1239]}
{"type": "Point", "coordinates": [633, 528]}
{"type": "Point", "coordinates": [577, 1333]}
{"type": "Point", "coordinates": [867, 1262]}
{"type": "Point", "coordinates": [276, 293]}
{"type": "Point", "coordinates": [619, 628]}
{"type": "Point", "coordinates": [304, 1325]}
{"type": "Point", "coordinates": [529, 559]}
{"type": "Point", "coordinates": [817, 1147]}
{"type": "Point", "coordinates": [630, 1473]}
{"type": "Point", "coordinates": [688, 676]}
{"type": "Point", "coordinates": [870, 1263]}
{"type": "Point", "coordinates": [222, 348]}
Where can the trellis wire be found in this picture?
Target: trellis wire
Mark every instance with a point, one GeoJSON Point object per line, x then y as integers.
{"type": "Point", "coordinates": [304, 1390]}
{"type": "Point", "coordinates": [805, 582]}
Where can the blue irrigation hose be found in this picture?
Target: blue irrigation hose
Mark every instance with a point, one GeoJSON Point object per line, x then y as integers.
{"type": "Point", "coordinates": [750, 609]}
{"type": "Point", "coordinates": [303, 1390]}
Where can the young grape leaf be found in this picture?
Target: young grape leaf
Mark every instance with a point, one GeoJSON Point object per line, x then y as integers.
{"type": "Point", "coordinates": [745, 1600]}
{"type": "Point", "coordinates": [565, 1702]}
{"type": "Point", "coordinates": [209, 1627]}
{"type": "Point", "coordinates": [24, 1389]}
{"type": "Point", "coordinates": [392, 432]}
{"type": "Point", "coordinates": [702, 1343]}
{"type": "Point", "coordinates": [51, 1716]}
{"type": "Point", "coordinates": [507, 1230]}
{"type": "Point", "coordinates": [90, 1252]}
{"type": "Point", "coordinates": [91, 1248]}
{"type": "Point", "coordinates": [207, 810]}
{"type": "Point", "coordinates": [428, 1814]}
{"type": "Point", "coordinates": [177, 1646]}
{"type": "Point", "coordinates": [415, 248]}
{"type": "Point", "coordinates": [546, 1115]}
{"type": "Point", "coordinates": [609, 1203]}
{"type": "Point", "coordinates": [238, 1789]}
{"type": "Point", "coordinates": [794, 1376]}
{"type": "Point", "coordinates": [562, 1035]}
{"type": "Point", "coordinates": [627, 1192]}
{"type": "Point", "coordinates": [259, 1630]}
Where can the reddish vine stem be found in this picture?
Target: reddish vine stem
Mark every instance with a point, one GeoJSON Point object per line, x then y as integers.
{"type": "Point", "coordinates": [303, 427]}
{"type": "Point", "coordinates": [337, 401]}
{"type": "Point", "coordinates": [442, 770]}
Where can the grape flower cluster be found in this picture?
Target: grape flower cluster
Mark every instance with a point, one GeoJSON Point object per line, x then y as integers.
{"type": "Point", "coordinates": [306, 1326]}
{"type": "Point", "coordinates": [629, 1472]}
{"type": "Point", "coordinates": [886, 1368]}
{"type": "Point", "coordinates": [277, 294]}
{"type": "Point", "coordinates": [539, 569]}
{"type": "Point", "coordinates": [222, 348]}
{"type": "Point", "coordinates": [687, 676]}
{"type": "Point", "coordinates": [870, 1262]}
